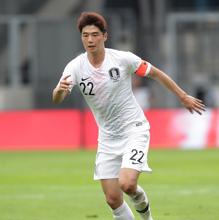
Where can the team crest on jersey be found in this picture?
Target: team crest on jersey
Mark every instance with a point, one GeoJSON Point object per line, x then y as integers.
{"type": "Point", "coordinates": [114, 74]}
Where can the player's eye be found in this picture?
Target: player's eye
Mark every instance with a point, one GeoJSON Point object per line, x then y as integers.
{"type": "Point", "coordinates": [95, 34]}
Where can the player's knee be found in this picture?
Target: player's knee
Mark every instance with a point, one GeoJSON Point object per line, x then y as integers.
{"type": "Point", "coordinates": [129, 187]}
{"type": "Point", "coordinates": [114, 201]}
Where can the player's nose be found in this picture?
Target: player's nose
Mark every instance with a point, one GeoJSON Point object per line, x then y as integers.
{"type": "Point", "coordinates": [90, 38]}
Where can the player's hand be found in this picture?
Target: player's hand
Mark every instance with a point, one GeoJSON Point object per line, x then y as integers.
{"type": "Point", "coordinates": [62, 89]}
{"type": "Point", "coordinates": [193, 104]}
{"type": "Point", "coordinates": [65, 84]}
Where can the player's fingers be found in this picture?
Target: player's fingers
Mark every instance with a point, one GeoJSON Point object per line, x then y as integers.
{"type": "Point", "coordinates": [199, 103]}
{"type": "Point", "coordinates": [198, 111]}
{"type": "Point", "coordinates": [199, 100]}
{"type": "Point", "coordinates": [190, 109]}
{"type": "Point", "coordinates": [64, 89]}
{"type": "Point", "coordinates": [200, 106]}
{"type": "Point", "coordinates": [64, 86]}
{"type": "Point", "coordinates": [66, 77]}
{"type": "Point", "coordinates": [65, 83]}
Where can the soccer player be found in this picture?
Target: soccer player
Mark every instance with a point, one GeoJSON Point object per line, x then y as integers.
{"type": "Point", "coordinates": [103, 76]}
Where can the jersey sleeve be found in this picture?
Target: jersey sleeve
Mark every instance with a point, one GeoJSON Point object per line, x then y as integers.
{"type": "Point", "coordinates": [138, 66]}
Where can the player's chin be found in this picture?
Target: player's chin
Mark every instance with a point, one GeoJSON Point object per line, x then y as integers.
{"type": "Point", "coordinates": [91, 49]}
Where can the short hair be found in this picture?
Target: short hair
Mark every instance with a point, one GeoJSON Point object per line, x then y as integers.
{"type": "Point", "coordinates": [92, 18]}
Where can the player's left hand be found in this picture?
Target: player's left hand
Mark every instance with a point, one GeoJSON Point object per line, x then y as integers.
{"type": "Point", "coordinates": [193, 104]}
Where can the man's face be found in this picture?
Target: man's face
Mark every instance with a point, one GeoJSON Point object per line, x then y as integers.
{"type": "Point", "coordinates": [93, 39]}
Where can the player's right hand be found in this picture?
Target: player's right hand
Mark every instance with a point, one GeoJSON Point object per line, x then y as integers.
{"type": "Point", "coordinates": [65, 84]}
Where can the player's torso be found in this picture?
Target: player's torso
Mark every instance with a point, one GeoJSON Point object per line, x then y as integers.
{"type": "Point", "coordinates": [101, 86]}
{"type": "Point", "coordinates": [108, 92]}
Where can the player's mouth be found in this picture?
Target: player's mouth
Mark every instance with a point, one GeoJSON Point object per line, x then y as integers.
{"type": "Point", "coordinates": [91, 46]}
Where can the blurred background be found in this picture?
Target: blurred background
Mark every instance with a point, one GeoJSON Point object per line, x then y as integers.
{"type": "Point", "coordinates": [42, 176]}
{"type": "Point", "coordinates": [39, 37]}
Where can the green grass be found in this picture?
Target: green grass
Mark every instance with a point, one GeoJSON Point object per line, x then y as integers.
{"type": "Point", "coordinates": [184, 185]}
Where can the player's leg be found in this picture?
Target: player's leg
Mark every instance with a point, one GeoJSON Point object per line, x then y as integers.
{"type": "Point", "coordinates": [107, 168]}
{"type": "Point", "coordinates": [128, 182]}
{"type": "Point", "coordinates": [141, 203]}
{"type": "Point", "coordinates": [114, 198]}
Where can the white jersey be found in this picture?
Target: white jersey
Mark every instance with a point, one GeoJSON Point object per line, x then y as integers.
{"type": "Point", "coordinates": [108, 91]}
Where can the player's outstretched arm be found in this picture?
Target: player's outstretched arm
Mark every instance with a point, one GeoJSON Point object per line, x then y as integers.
{"type": "Point", "coordinates": [191, 103]}
{"type": "Point", "coordinates": [61, 90]}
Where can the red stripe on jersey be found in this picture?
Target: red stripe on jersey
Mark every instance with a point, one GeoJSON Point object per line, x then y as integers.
{"type": "Point", "coordinates": [141, 71]}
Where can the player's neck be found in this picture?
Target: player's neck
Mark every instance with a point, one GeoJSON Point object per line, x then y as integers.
{"type": "Point", "coordinates": [96, 59]}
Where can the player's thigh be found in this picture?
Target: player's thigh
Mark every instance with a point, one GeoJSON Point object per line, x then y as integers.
{"type": "Point", "coordinates": [112, 191]}
{"type": "Point", "coordinates": [128, 179]}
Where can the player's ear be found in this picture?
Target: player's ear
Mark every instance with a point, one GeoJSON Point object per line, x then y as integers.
{"type": "Point", "coordinates": [105, 35]}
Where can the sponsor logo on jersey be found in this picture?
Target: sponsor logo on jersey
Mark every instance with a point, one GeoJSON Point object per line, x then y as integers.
{"type": "Point", "coordinates": [83, 79]}
{"type": "Point", "coordinates": [139, 124]}
{"type": "Point", "coordinates": [114, 74]}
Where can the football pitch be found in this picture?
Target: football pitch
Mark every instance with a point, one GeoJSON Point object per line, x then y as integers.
{"type": "Point", "coordinates": [59, 185]}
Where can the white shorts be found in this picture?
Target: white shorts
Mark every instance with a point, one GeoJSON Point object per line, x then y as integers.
{"type": "Point", "coordinates": [133, 155]}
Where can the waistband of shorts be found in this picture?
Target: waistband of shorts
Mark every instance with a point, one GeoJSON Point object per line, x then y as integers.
{"type": "Point", "coordinates": [140, 123]}
{"type": "Point", "coordinates": [132, 126]}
